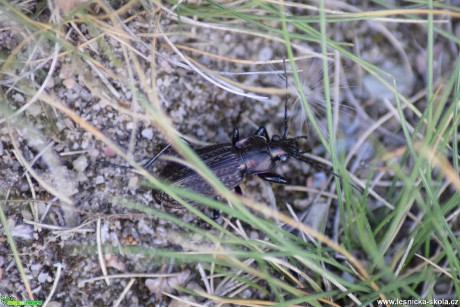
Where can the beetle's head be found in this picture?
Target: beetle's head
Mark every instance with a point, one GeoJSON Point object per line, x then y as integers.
{"type": "Point", "coordinates": [284, 148]}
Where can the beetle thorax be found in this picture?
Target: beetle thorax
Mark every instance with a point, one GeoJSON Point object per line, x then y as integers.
{"type": "Point", "coordinates": [255, 154]}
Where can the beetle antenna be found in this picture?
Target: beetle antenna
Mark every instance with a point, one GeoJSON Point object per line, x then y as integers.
{"type": "Point", "coordinates": [326, 169]}
{"type": "Point", "coordinates": [146, 165]}
{"type": "Point", "coordinates": [286, 130]}
{"type": "Point", "coordinates": [112, 164]}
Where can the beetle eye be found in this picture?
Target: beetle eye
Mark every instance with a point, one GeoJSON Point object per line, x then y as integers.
{"type": "Point", "coordinates": [284, 157]}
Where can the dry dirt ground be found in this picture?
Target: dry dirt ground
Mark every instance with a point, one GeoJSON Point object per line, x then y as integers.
{"type": "Point", "coordinates": [59, 203]}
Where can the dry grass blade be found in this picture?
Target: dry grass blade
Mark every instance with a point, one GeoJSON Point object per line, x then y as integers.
{"type": "Point", "coordinates": [65, 199]}
{"type": "Point", "coordinates": [217, 82]}
{"type": "Point", "coordinates": [13, 247]}
{"type": "Point", "coordinates": [100, 252]}
{"type": "Point", "coordinates": [57, 278]}
{"type": "Point", "coordinates": [440, 269]}
{"type": "Point", "coordinates": [125, 291]}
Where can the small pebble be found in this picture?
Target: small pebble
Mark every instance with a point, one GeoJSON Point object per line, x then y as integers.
{"type": "Point", "coordinates": [26, 214]}
{"type": "Point", "coordinates": [23, 231]}
{"type": "Point", "coordinates": [80, 164]}
{"type": "Point", "coordinates": [109, 152]}
{"type": "Point", "coordinates": [34, 109]}
{"type": "Point", "coordinates": [66, 71]}
{"type": "Point", "coordinates": [133, 182]}
{"type": "Point", "coordinates": [35, 267]}
{"type": "Point", "coordinates": [265, 54]}
{"type": "Point", "coordinates": [85, 144]}
{"type": "Point", "coordinates": [42, 277]}
{"type": "Point", "coordinates": [130, 126]}
{"type": "Point", "coordinates": [18, 98]}
{"type": "Point", "coordinates": [147, 133]}
{"type": "Point", "coordinates": [69, 83]}
{"type": "Point", "coordinates": [100, 180]}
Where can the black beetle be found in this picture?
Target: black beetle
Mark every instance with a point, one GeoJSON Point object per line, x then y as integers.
{"type": "Point", "coordinates": [254, 155]}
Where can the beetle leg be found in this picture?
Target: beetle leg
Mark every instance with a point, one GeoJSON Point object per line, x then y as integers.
{"type": "Point", "coordinates": [273, 177]}
{"type": "Point", "coordinates": [215, 214]}
{"type": "Point", "coordinates": [235, 136]}
{"type": "Point", "coordinates": [238, 190]}
{"type": "Point", "coordinates": [151, 161]}
{"type": "Point", "coordinates": [263, 132]}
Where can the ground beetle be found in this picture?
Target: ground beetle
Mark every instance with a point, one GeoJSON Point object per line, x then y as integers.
{"type": "Point", "coordinates": [254, 155]}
